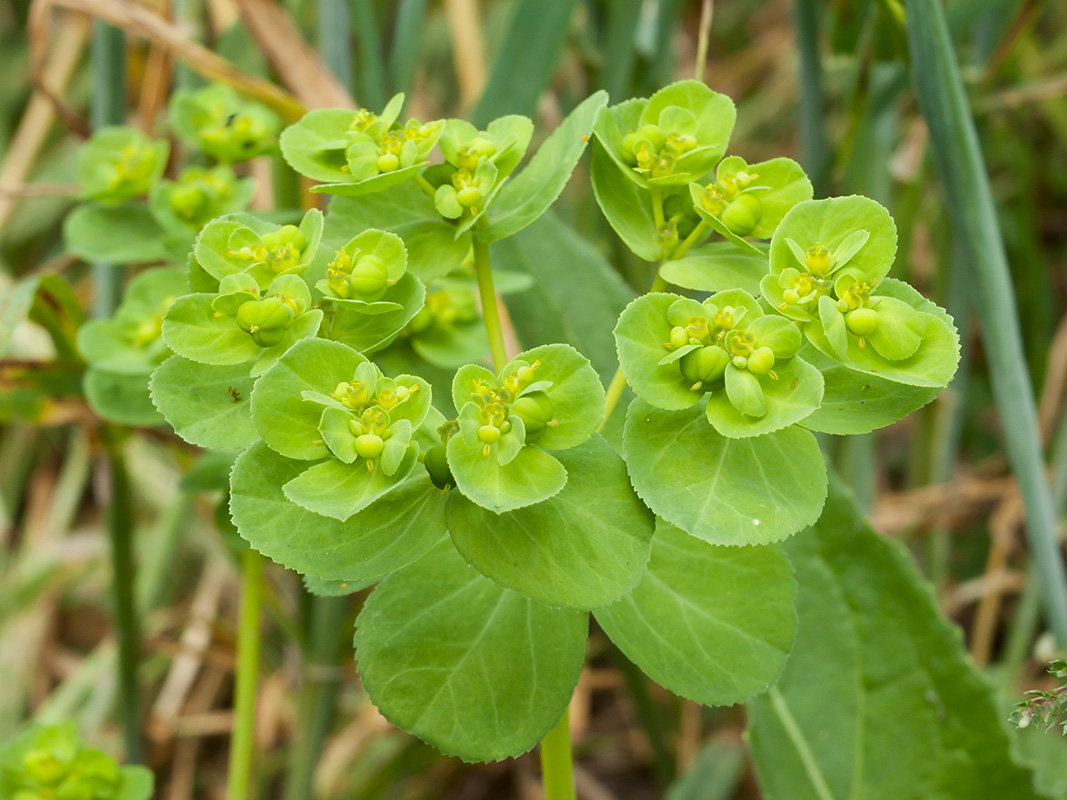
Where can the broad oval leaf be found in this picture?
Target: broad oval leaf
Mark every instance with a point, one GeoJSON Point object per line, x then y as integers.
{"type": "Point", "coordinates": [371, 544]}
{"type": "Point", "coordinates": [583, 548]}
{"type": "Point", "coordinates": [640, 336]}
{"type": "Point", "coordinates": [122, 234]}
{"type": "Point", "coordinates": [122, 399]}
{"type": "Point", "coordinates": [716, 267]}
{"type": "Point", "coordinates": [711, 623]}
{"type": "Point", "coordinates": [530, 477]}
{"type": "Point", "coordinates": [477, 670]}
{"type": "Point", "coordinates": [208, 406]}
{"type": "Point", "coordinates": [627, 207]}
{"type": "Point", "coordinates": [725, 491]}
{"type": "Point", "coordinates": [792, 397]}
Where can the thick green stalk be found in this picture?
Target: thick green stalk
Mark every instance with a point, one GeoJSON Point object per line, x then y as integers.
{"type": "Point", "coordinates": [239, 784]}
{"type": "Point", "coordinates": [557, 763]}
{"type": "Point", "coordinates": [484, 273]}
{"type": "Point", "coordinates": [943, 102]}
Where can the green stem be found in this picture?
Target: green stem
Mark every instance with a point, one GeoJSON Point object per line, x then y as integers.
{"type": "Point", "coordinates": [699, 234]}
{"type": "Point", "coordinates": [611, 399]}
{"type": "Point", "coordinates": [557, 763]}
{"type": "Point", "coordinates": [240, 777]}
{"type": "Point", "coordinates": [490, 312]}
{"type": "Point", "coordinates": [657, 208]}
{"type": "Point", "coordinates": [120, 538]}
{"type": "Point", "coordinates": [425, 185]}
{"type": "Point", "coordinates": [943, 102]}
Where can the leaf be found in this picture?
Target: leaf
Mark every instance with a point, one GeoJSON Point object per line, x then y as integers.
{"type": "Point", "coordinates": [315, 146]}
{"type": "Point", "coordinates": [831, 223]}
{"type": "Point", "coordinates": [373, 543]}
{"type": "Point", "coordinates": [368, 332]}
{"type": "Point", "coordinates": [854, 402]}
{"type": "Point", "coordinates": [285, 421]}
{"type": "Point", "coordinates": [208, 406]}
{"type": "Point", "coordinates": [525, 198]}
{"type": "Point", "coordinates": [122, 399]}
{"type": "Point", "coordinates": [707, 622]}
{"type": "Point", "coordinates": [191, 329]}
{"type": "Point", "coordinates": [476, 670]}
{"type": "Point", "coordinates": [933, 364]}
{"type": "Point", "coordinates": [790, 399]}
{"type": "Point", "coordinates": [338, 490]}
{"type": "Point", "coordinates": [715, 267]}
{"type": "Point", "coordinates": [530, 477]}
{"type": "Point", "coordinates": [725, 491]}
{"type": "Point", "coordinates": [122, 234]}
{"type": "Point", "coordinates": [433, 249]}
{"type": "Point", "coordinates": [878, 699]}
{"type": "Point", "coordinates": [581, 549]}
{"type": "Point", "coordinates": [626, 206]}
{"type": "Point", "coordinates": [577, 295]}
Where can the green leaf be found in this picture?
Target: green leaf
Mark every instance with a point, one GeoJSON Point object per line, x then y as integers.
{"type": "Point", "coordinates": [122, 234]}
{"type": "Point", "coordinates": [433, 249]}
{"type": "Point", "coordinates": [368, 186]}
{"type": "Point", "coordinates": [135, 783]}
{"type": "Point", "coordinates": [315, 146]}
{"type": "Point", "coordinates": [725, 491]}
{"type": "Point", "coordinates": [530, 477]}
{"type": "Point", "coordinates": [640, 336]}
{"type": "Point", "coordinates": [477, 670]}
{"type": "Point", "coordinates": [373, 543]}
{"type": "Point", "coordinates": [525, 198]}
{"type": "Point", "coordinates": [711, 623]}
{"type": "Point", "coordinates": [285, 421]}
{"type": "Point", "coordinates": [626, 206]}
{"type": "Point", "coordinates": [793, 397]}
{"type": "Point", "coordinates": [933, 364]}
{"type": "Point", "coordinates": [715, 267]}
{"type": "Point", "coordinates": [208, 406]}
{"type": "Point", "coordinates": [831, 223]}
{"type": "Point", "coordinates": [122, 399]}
{"type": "Point", "coordinates": [583, 548]}
{"type": "Point", "coordinates": [368, 332]}
{"type": "Point", "coordinates": [338, 490]}
{"type": "Point", "coordinates": [879, 699]}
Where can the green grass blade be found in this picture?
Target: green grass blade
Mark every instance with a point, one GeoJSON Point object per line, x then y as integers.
{"type": "Point", "coordinates": [619, 51]}
{"type": "Point", "coordinates": [371, 78]}
{"type": "Point", "coordinates": [526, 59]}
{"type": "Point", "coordinates": [814, 149]}
{"type": "Point", "coordinates": [407, 33]}
{"type": "Point", "coordinates": [335, 41]}
{"type": "Point", "coordinates": [943, 102]}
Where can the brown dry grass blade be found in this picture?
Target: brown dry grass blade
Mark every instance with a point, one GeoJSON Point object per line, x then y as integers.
{"type": "Point", "coordinates": [298, 67]}
{"type": "Point", "coordinates": [145, 23]}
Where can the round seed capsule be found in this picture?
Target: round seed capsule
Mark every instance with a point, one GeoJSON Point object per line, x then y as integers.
{"type": "Point", "coordinates": [369, 445]}
{"type": "Point", "coordinates": [862, 321]}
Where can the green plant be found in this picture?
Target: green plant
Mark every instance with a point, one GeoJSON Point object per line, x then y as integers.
{"type": "Point", "coordinates": [336, 351]}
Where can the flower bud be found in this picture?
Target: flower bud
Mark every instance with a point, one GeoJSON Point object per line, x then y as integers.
{"type": "Point", "coordinates": [265, 320]}
{"type": "Point", "coordinates": [489, 434]}
{"type": "Point", "coordinates": [679, 337]}
{"type": "Point", "coordinates": [469, 196]}
{"type": "Point", "coordinates": [387, 162]}
{"type": "Point", "coordinates": [761, 361]}
{"type": "Point", "coordinates": [705, 365]}
{"type": "Point", "coordinates": [862, 321]}
{"type": "Point", "coordinates": [743, 214]}
{"type": "Point", "coordinates": [369, 445]}
{"type": "Point", "coordinates": [370, 278]}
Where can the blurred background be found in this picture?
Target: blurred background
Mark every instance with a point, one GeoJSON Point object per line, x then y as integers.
{"type": "Point", "coordinates": [826, 82]}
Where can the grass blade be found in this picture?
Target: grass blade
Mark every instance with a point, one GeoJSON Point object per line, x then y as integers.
{"type": "Point", "coordinates": [943, 102]}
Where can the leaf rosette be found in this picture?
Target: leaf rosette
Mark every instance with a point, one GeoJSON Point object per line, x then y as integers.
{"type": "Point", "coordinates": [221, 123]}
{"type": "Point", "coordinates": [726, 350]}
{"type": "Point", "coordinates": [548, 398]}
{"type": "Point", "coordinates": [354, 153]}
{"type": "Point", "coordinates": [119, 163]}
{"type": "Point", "coordinates": [671, 139]}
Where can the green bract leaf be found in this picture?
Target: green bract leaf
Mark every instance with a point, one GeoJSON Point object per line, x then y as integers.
{"type": "Point", "coordinates": [583, 548]}
{"type": "Point", "coordinates": [371, 544]}
{"type": "Point", "coordinates": [932, 365]}
{"type": "Point", "coordinates": [793, 397]}
{"type": "Point", "coordinates": [118, 398]}
{"type": "Point", "coordinates": [878, 699]}
{"type": "Point", "coordinates": [433, 249]}
{"type": "Point", "coordinates": [725, 491]}
{"type": "Point", "coordinates": [710, 623]}
{"type": "Point", "coordinates": [338, 490]}
{"type": "Point", "coordinates": [369, 330]}
{"type": "Point", "coordinates": [530, 476]}
{"type": "Point", "coordinates": [119, 163]}
{"type": "Point", "coordinates": [477, 670]}
{"type": "Point", "coordinates": [626, 205]}
{"type": "Point", "coordinates": [198, 196]}
{"type": "Point", "coordinates": [524, 199]}
{"type": "Point", "coordinates": [363, 270]}
{"type": "Point", "coordinates": [240, 243]}
{"type": "Point", "coordinates": [206, 405]}
{"type": "Point", "coordinates": [838, 225]}
{"type": "Point", "coordinates": [119, 234]}
{"type": "Point", "coordinates": [223, 124]}
{"type": "Point", "coordinates": [286, 421]}
{"type": "Point", "coordinates": [717, 266]}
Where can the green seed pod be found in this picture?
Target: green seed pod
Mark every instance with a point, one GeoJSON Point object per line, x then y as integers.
{"type": "Point", "coordinates": [264, 320]}
{"type": "Point", "coordinates": [369, 445]}
{"type": "Point", "coordinates": [679, 337]}
{"type": "Point", "coordinates": [535, 410]}
{"type": "Point", "coordinates": [469, 196]}
{"type": "Point", "coordinates": [862, 321]}
{"type": "Point", "coordinates": [761, 361]}
{"type": "Point", "coordinates": [705, 365]}
{"type": "Point", "coordinates": [629, 141]}
{"type": "Point", "coordinates": [743, 214]}
{"type": "Point", "coordinates": [437, 467]}
{"type": "Point", "coordinates": [387, 162]}
{"type": "Point", "coordinates": [489, 434]}
{"type": "Point", "coordinates": [370, 278]}
{"type": "Point", "coordinates": [654, 135]}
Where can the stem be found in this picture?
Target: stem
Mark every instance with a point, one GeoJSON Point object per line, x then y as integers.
{"type": "Point", "coordinates": [490, 312]}
{"type": "Point", "coordinates": [425, 185]}
{"type": "Point", "coordinates": [611, 399]}
{"type": "Point", "coordinates": [557, 763]}
{"type": "Point", "coordinates": [120, 529]}
{"type": "Point", "coordinates": [657, 207]}
{"type": "Point", "coordinates": [700, 232]}
{"type": "Point", "coordinates": [240, 778]}
{"type": "Point", "coordinates": [706, 10]}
